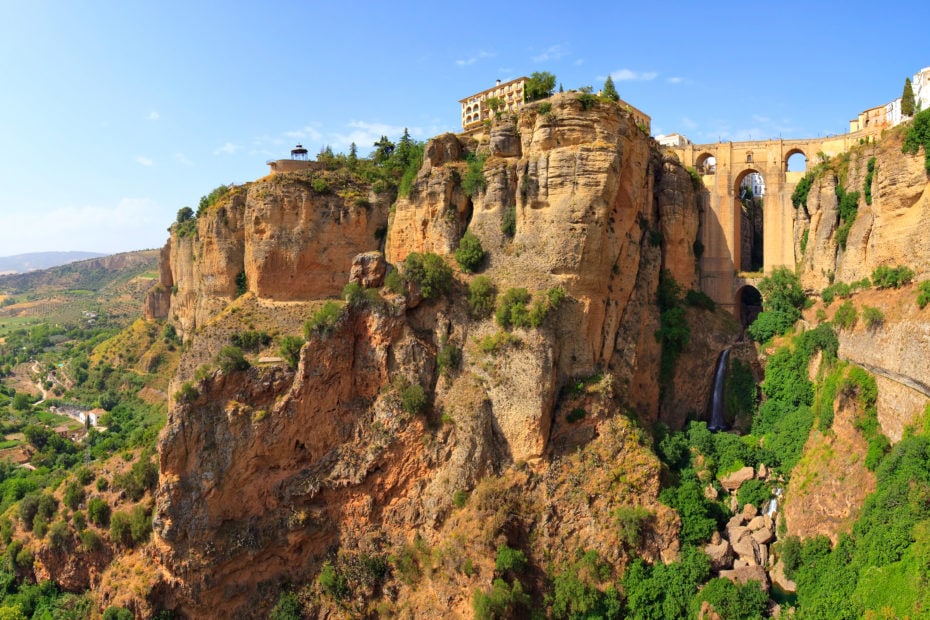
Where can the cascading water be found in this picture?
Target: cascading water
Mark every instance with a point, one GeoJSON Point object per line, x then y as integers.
{"type": "Point", "coordinates": [717, 423]}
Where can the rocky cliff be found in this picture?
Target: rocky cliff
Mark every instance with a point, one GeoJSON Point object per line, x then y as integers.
{"type": "Point", "coordinates": [282, 238]}
{"type": "Point", "coordinates": [270, 472]}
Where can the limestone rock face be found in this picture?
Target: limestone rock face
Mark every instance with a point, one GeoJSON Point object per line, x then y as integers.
{"type": "Point", "coordinates": [890, 231]}
{"type": "Point", "coordinates": [368, 269]}
{"type": "Point", "coordinates": [265, 471]}
{"type": "Point", "coordinates": [582, 186]}
{"type": "Point", "coordinates": [277, 238]}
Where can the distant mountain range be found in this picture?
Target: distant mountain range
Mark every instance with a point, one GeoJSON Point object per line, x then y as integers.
{"type": "Point", "coordinates": [32, 261]}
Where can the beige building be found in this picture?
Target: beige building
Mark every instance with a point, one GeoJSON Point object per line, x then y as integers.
{"type": "Point", "coordinates": [476, 109]}
{"type": "Point", "coordinates": [873, 118]}
{"type": "Point", "coordinates": [672, 139]}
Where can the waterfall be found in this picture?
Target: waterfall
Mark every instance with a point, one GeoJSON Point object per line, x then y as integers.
{"type": "Point", "coordinates": [717, 423]}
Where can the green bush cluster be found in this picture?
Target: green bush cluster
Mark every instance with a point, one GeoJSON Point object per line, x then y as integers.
{"type": "Point", "coordinates": [474, 181]}
{"type": "Point", "coordinates": [481, 295]}
{"type": "Point", "coordinates": [892, 277]}
{"type": "Point", "coordinates": [879, 569]}
{"type": "Point", "coordinates": [509, 221]}
{"type": "Point", "coordinates": [867, 185]}
{"type": "Point", "coordinates": [324, 320]}
{"type": "Point", "coordinates": [872, 317]}
{"type": "Point", "coordinates": [231, 359]}
{"type": "Point", "coordinates": [469, 255]}
{"type": "Point", "coordinates": [848, 209]}
{"type": "Point", "coordinates": [923, 294]}
{"type": "Point", "coordinates": [918, 135]}
{"type": "Point", "coordinates": [673, 333]}
{"type": "Point", "coordinates": [801, 190]}
{"type": "Point", "coordinates": [846, 315]}
{"type": "Point", "coordinates": [412, 398]}
{"type": "Point", "coordinates": [843, 290]}
{"type": "Point", "coordinates": [429, 272]}
{"type": "Point", "coordinates": [514, 310]}
{"type": "Point", "coordinates": [577, 591]}
{"type": "Point", "coordinates": [448, 359]}
{"type": "Point", "coordinates": [784, 299]}
{"type": "Point", "coordinates": [250, 340]}
{"type": "Point", "coordinates": [289, 349]}
{"type": "Point", "coordinates": [496, 343]}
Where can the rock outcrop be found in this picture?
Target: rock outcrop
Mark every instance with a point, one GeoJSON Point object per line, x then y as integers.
{"type": "Point", "coordinates": [264, 472]}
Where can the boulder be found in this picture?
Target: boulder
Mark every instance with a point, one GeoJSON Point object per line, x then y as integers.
{"type": "Point", "coordinates": [747, 573]}
{"type": "Point", "coordinates": [732, 482]}
{"type": "Point", "coordinates": [763, 472]}
{"type": "Point", "coordinates": [720, 554]}
{"type": "Point", "coordinates": [763, 536]}
{"type": "Point", "coordinates": [781, 580]}
{"type": "Point", "coordinates": [710, 492]}
{"type": "Point", "coordinates": [749, 511]}
{"type": "Point", "coordinates": [368, 269]}
{"type": "Point", "coordinates": [747, 549]}
{"type": "Point", "coordinates": [756, 523]}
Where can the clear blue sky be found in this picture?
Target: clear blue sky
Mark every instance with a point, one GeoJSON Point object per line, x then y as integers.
{"type": "Point", "coordinates": [113, 115]}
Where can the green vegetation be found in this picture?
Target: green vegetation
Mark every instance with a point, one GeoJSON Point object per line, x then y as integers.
{"type": "Point", "coordinates": [632, 523]}
{"type": "Point", "coordinates": [674, 333]}
{"type": "Point", "coordinates": [539, 86]}
{"type": "Point", "coordinates": [513, 309]}
{"type": "Point", "coordinates": [872, 317]}
{"type": "Point", "coordinates": [429, 272]}
{"type": "Point", "coordinates": [481, 294]}
{"type": "Point", "coordinates": [802, 189]}
{"type": "Point", "coordinates": [665, 590]}
{"type": "Point", "coordinates": [448, 359]}
{"type": "Point", "coordinates": [474, 180]}
{"type": "Point", "coordinates": [290, 349]}
{"type": "Point", "coordinates": [846, 316]}
{"type": "Point", "coordinates": [610, 91]}
{"type": "Point", "coordinates": [804, 238]}
{"type": "Point", "coordinates": [848, 209]}
{"type": "Point", "coordinates": [231, 359]}
{"type": "Point", "coordinates": [867, 185]}
{"type": "Point", "coordinates": [918, 135]}
{"type": "Point", "coordinates": [907, 98]}
{"type": "Point", "coordinates": [323, 320]}
{"type": "Point", "coordinates": [469, 255]}
{"type": "Point", "coordinates": [784, 299]}
{"type": "Point", "coordinates": [509, 221]}
{"type": "Point", "coordinates": [413, 398]}
{"type": "Point", "coordinates": [892, 277]}
{"type": "Point", "coordinates": [734, 601]}
{"type": "Point", "coordinates": [923, 294]}
{"type": "Point", "coordinates": [498, 342]}
{"type": "Point", "coordinates": [250, 340]}
{"type": "Point", "coordinates": [578, 592]}
{"type": "Point", "coordinates": [510, 560]}
{"type": "Point", "coordinates": [503, 601]}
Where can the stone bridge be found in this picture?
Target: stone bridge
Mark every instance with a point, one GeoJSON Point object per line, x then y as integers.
{"type": "Point", "coordinates": [723, 166]}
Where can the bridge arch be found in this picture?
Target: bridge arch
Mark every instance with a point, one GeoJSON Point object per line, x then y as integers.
{"type": "Point", "coordinates": [706, 163]}
{"type": "Point", "coordinates": [748, 194]}
{"type": "Point", "coordinates": [793, 159]}
{"type": "Point", "coordinates": [748, 302]}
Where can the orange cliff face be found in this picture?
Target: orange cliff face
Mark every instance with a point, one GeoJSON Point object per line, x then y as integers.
{"type": "Point", "coordinates": [265, 471]}
{"type": "Point", "coordinates": [288, 241]}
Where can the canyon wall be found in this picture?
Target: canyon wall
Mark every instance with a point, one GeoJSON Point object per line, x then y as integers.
{"type": "Point", "coordinates": [265, 472]}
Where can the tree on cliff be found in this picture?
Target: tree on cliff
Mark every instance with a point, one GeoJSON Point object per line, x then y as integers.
{"type": "Point", "coordinates": [610, 91]}
{"type": "Point", "coordinates": [383, 150]}
{"type": "Point", "coordinates": [907, 99]}
{"type": "Point", "coordinates": [539, 86]}
{"type": "Point", "coordinates": [185, 214]}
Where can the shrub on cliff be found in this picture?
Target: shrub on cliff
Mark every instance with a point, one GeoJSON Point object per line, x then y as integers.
{"type": "Point", "coordinates": [231, 359]}
{"type": "Point", "coordinates": [469, 255]}
{"type": "Point", "coordinates": [784, 299]}
{"type": "Point", "coordinates": [923, 294]}
{"type": "Point", "coordinates": [98, 512]}
{"type": "Point", "coordinates": [323, 320]}
{"type": "Point", "coordinates": [481, 293]}
{"type": "Point", "coordinates": [474, 180]}
{"type": "Point", "coordinates": [413, 398]}
{"type": "Point", "coordinates": [290, 349]}
{"type": "Point", "coordinates": [918, 135]}
{"type": "Point", "coordinates": [892, 277]}
{"type": "Point", "coordinates": [429, 272]}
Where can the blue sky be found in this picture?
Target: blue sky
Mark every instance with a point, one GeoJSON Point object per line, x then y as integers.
{"type": "Point", "coordinates": [113, 115]}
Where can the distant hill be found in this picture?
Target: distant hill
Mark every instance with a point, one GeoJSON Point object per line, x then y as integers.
{"type": "Point", "coordinates": [89, 274]}
{"type": "Point", "coordinates": [32, 261]}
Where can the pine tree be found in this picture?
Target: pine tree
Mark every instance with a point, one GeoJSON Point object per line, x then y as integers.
{"type": "Point", "coordinates": [610, 91]}
{"type": "Point", "coordinates": [907, 99]}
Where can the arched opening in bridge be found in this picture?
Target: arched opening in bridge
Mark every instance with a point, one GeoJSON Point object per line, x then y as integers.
{"type": "Point", "coordinates": [706, 164]}
{"type": "Point", "coordinates": [796, 161]}
{"type": "Point", "coordinates": [749, 302]}
{"type": "Point", "coordinates": [750, 197]}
